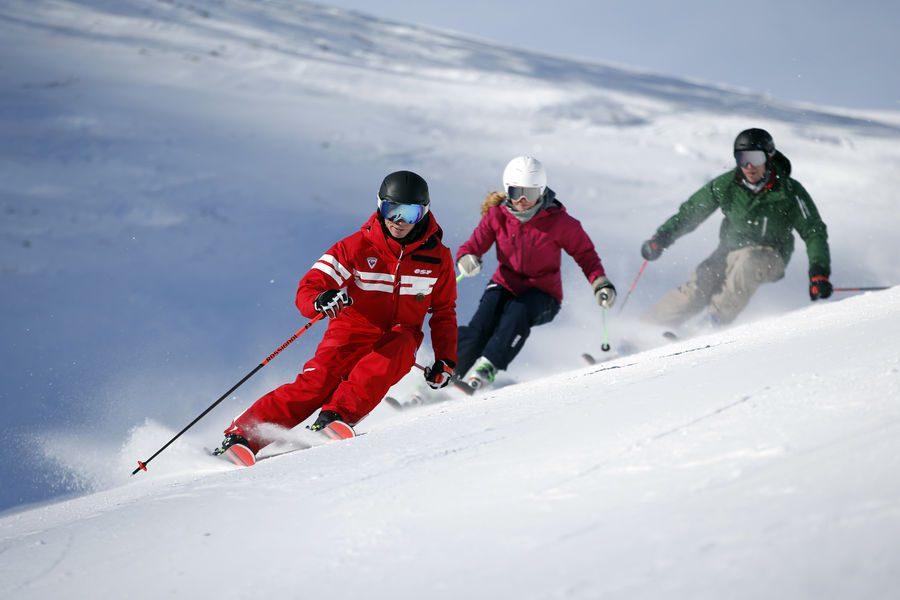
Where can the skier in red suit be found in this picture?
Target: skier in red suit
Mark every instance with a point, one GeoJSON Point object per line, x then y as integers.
{"type": "Point", "coordinates": [376, 286]}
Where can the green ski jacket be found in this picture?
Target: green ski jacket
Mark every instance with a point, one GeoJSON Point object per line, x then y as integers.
{"type": "Point", "coordinates": [765, 218]}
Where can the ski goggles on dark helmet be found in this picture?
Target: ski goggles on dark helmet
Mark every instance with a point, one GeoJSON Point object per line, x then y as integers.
{"type": "Point", "coordinates": [516, 192]}
{"type": "Point", "coordinates": [396, 212]}
{"type": "Point", "coordinates": [756, 158]}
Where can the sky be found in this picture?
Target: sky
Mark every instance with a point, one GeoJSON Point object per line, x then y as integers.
{"type": "Point", "coordinates": [826, 52]}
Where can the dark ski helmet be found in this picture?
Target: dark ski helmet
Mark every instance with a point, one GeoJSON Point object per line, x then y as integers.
{"type": "Point", "coordinates": [403, 196]}
{"type": "Point", "coordinates": [755, 139]}
{"type": "Point", "coordinates": [404, 187]}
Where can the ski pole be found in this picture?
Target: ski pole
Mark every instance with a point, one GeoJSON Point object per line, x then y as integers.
{"type": "Point", "coordinates": [460, 277]}
{"type": "Point", "coordinates": [633, 285]}
{"type": "Point", "coordinates": [142, 465]}
{"type": "Point", "coordinates": [875, 288]}
{"type": "Point", "coordinates": [605, 345]}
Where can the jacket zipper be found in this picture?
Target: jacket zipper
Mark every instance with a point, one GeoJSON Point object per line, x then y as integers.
{"type": "Point", "coordinates": [520, 246]}
{"type": "Point", "coordinates": [397, 286]}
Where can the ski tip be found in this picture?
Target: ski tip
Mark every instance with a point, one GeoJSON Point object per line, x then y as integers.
{"type": "Point", "coordinates": [240, 455]}
{"type": "Point", "coordinates": [338, 430]}
{"type": "Point", "coordinates": [589, 358]}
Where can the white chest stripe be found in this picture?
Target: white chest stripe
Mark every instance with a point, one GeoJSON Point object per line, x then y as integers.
{"type": "Point", "coordinates": [375, 287]}
{"type": "Point", "coordinates": [410, 285]}
{"type": "Point", "coordinates": [413, 285]}
{"type": "Point", "coordinates": [370, 281]}
{"type": "Point", "coordinates": [372, 276]}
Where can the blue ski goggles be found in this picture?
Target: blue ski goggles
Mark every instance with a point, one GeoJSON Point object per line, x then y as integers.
{"type": "Point", "coordinates": [516, 192]}
{"type": "Point", "coordinates": [757, 158]}
{"type": "Point", "coordinates": [396, 212]}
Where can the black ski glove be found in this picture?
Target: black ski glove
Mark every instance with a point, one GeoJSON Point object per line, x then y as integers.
{"type": "Point", "coordinates": [653, 248]}
{"type": "Point", "coordinates": [438, 375]}
{"type": "Point", "coordinates": [331, 302]}
{"type": "Point", "coordinates": [819, 286]}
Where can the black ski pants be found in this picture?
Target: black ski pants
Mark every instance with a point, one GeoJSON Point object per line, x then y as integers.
{"type": "Point", "coordinates": [501, 324]}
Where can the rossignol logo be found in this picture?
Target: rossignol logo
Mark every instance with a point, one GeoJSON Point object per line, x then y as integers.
{"type": "Point", "coordinates": [371, 260]}
{"type": "Point", "coordinates": [422, 271]}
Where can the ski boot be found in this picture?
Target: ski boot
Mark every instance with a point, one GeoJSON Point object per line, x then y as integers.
{"type": "Point", "coordinates": [482, 374]}
{"type": "Point", "coordinates": [330, 424]}
{"type": "Point", "coordinates": [236, 449]}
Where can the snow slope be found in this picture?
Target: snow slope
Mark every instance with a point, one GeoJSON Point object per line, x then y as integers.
{"type": "Point", "coordinates": [172, 168]}
{"type": "Point", "coordinates": [713, 467]}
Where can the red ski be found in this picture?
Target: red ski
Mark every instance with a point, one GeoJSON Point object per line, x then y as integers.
{"type": "Point", "coordinates": [242, 456]}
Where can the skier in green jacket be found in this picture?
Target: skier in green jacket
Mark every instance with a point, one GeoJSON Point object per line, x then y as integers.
{"type": "Point", "coordinates": [763, 206]}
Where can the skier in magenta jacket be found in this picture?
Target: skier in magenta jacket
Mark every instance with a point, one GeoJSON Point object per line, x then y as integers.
{"type": "Point", "coordinates": [530, 229]}
{"type": "Point", "coordinates": [377, 286]}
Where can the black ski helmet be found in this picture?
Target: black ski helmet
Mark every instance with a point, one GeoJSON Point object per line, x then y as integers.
{"type": "Point", "coordinates": [404, 187]}
{"type": "Point", "coordinates": [755, 139]}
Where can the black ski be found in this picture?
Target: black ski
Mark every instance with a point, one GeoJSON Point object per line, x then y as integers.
{"type": "Point", "coordinates": [398, 405]}
{"type": "Point", "coordinates": [462, 386]}
{"type": "Point", "coordinates": [393, 402]}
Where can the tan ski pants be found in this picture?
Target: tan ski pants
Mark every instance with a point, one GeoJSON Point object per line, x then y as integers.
{"type": "Point", "coordinates": [723, 283]}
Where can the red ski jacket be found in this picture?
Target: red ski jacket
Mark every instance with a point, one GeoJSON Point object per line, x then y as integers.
{"type": "Point", "coordinates": [391, 284]}
{"type": "Point", "coordinates": [530, 253]}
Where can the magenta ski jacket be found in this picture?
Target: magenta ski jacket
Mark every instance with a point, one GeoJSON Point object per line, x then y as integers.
{"type": "Point", "coordinates": [530, 253]}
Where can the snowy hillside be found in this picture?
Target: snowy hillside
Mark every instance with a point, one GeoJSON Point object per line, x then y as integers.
{"type": "Point", "coordinates": [171, 169]}
{"type": "Point", "coordinates": [709, 468]}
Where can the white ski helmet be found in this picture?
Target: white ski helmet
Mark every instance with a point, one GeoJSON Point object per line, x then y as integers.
{"type": "Point", "coordinates": [525, 171]}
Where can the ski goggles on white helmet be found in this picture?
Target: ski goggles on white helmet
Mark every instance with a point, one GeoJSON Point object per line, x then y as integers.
{"type": "Point", "coordinates": [517, 192]}
{"type": "Point", "coordinates": [756, 158]}
{"type": "Point", "coordinates": [396, 212]}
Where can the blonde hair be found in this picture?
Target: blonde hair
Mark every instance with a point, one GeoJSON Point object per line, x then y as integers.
{"type": "Point", "coordinates": [491, 200]}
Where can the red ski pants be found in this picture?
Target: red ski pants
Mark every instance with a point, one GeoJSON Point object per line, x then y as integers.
{"type": "Point", "coordinates": [352, 370]}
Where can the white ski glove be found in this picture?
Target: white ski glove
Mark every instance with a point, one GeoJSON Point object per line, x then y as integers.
{"type": "Point", "coordinates": [469, 265]}
{"type": "Point", "coordinates": [604, 292]}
